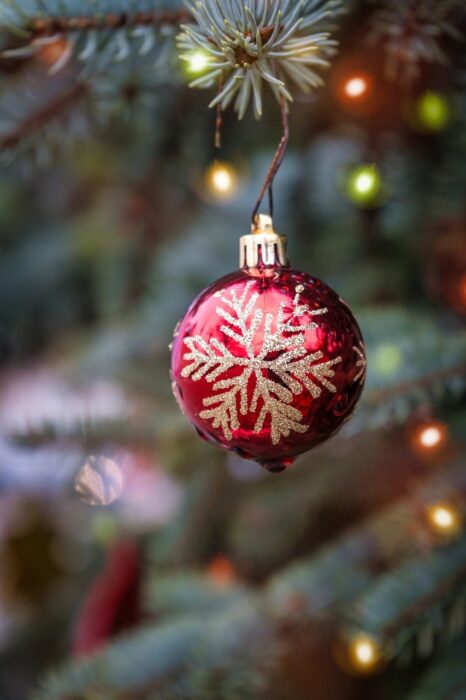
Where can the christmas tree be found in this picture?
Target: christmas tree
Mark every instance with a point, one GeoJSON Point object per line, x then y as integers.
{"type": "Point", "coordinates": [138, 141]}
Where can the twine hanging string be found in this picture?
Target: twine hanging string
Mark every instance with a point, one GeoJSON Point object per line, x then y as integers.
{"type": "Point", "coordinates": [275, 165]}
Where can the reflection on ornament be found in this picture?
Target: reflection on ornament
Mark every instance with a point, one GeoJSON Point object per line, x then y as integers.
{"type": "Point", "coordinates": [268, 362]}
{"type": "Point", "coordinates": [429, 436]}
{"type": "Point", "coordinates": [433, 111]}
{"type": "Point", "coordinates": [364, 186]}
{"type": "Point", "coordinates": [221, 180]}
{"type": "Point", "coordinates": [444, 518]}
{"type": "Point", "coordinates": [196, 62]}
{"type": "Point", "coordinates": [99, 481]}
{"type": "Point", "coordinates": [356, 87]}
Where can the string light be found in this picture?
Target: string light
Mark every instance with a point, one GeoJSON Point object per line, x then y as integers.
{"type": "Point", "coordinates": [221, 571]}
{"type": "Point", "coordinates": [364, 185]}
{"type": "Point", "coordinates": [196, 62]}
{"type": "Point", "coordinates": [359, 655]}
{"type": "Point", "coordinates": [221, 180]}
{"type": "Point", "coordinates": [433, 111]}
{"type": "Point", "coordinates": [444, 518]}
{"type": "Point", "coordinates": [356, 87]}
{"type": "Point", "coordinates": [429, 436]}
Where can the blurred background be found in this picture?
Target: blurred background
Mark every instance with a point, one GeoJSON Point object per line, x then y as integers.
{"type": "Point", "coordinates": [138, 562]}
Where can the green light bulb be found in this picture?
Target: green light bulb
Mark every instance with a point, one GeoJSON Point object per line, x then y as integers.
{"type": "Point", "coordinates": [433, 111]}
{"type": "Point", "coordinates": [387, 359]}
{"type": "Point", "coordinates": [364, 185]}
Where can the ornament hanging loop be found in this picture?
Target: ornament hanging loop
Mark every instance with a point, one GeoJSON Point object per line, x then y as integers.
{"type": "Point", "coordinates": [275, 165]}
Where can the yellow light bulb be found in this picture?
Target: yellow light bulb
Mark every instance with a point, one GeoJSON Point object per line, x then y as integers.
{"type": "Point", "coordinates": [365, 654]}
{"type": "Point", "coordinates": [221, 180]}
{"type": "Point", "coordinates": [444, 518]}
{"type": "Point", "coordinates": [197, 62]}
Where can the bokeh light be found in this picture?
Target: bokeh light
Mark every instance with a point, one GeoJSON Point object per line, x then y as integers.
{"type": "Point", "coordinates": [356, 87]}
{"type": "Point", "coordinates": [429, 436]}
{"type": "Point", "coordinates": [221, 180]}
{"type": "Point", "coordinates": [54, 52]}
{"type": "Point", "coordinates": [364, 185]}
{"type": "Point", "coordinates": [387, 359]}
{"type": "Point", "coordinates": [99, 482]}
{"type": "Point", "coordinates": [359, 654]}
{"type": "Point", "coordinates": [196, 62]}
{"type": "Point", "coordinates": [444, 518]}
{"type": "Point", "coordinates": [433, 111]}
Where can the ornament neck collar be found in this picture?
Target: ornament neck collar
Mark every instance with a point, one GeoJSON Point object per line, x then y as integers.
{"type": "Point", "coordinates": [263, 247]}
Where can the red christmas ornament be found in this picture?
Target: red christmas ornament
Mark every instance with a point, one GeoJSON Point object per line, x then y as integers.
{"type": "Point", "coordinates": [268, 362]}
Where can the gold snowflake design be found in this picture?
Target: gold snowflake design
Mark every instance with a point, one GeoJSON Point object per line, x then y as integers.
{"type": "Point", "coordinates": [361, 362]}
{"type": "Point", "coordinates": [294, 369]}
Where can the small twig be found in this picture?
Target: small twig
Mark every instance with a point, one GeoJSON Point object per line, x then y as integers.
{"type": "Point", "coordinates": [276, 163]}
{"type": "Point", "coordinates": [46, 26]}
{"type": "Point", "coordinates": [44, 115]}
{"type": "Point", "coordinates": [219, 118]}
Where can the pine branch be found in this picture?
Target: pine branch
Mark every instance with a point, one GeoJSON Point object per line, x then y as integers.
{"type": "Point", "coordinates": [98, 37]}
{"type": "Point", "coordinates": [193, 657]}
{"type": "Point", "coordinates": [446, 679]}
{"type": "Point", "coordinates": [319, 585]}
{"type": "Point", "coordinates": [418, 596]}
{"type": "Point", "coordinates": [413, 386]}
{"type": "Point", "coordinates": [48, 26]}
{"type": "Point", "coordinates": [48, 112]}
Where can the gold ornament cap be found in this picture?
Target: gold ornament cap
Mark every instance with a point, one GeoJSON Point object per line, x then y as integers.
{"type": "Point", "coordinates": [263, 247]}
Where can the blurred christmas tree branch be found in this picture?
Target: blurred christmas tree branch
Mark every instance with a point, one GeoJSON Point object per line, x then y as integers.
{"type": "Point", "coordinates": [49, 112]}
{"type": "Point", "coordinates": [445, 679]}
{"type": "Point", "coordinates": [47, 26]}
{"type": "Point", "coordinates": [416, 590]}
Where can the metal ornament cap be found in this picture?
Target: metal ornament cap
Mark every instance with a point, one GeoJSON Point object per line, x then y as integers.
{"type": "Point", "coordinates": [268, 362]}
{"type": "Point", "coordinates": [263, 247]}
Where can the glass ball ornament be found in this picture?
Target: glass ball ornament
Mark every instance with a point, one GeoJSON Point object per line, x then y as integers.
{"type": "Point", "coordinates": [268, 362]}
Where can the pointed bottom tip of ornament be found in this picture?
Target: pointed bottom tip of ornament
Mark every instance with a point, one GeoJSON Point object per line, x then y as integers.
{"type": "Point", "coordinates": [276, 467]}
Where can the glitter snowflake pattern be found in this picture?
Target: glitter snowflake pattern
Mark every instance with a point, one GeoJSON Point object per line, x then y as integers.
{"type": "Point", "coordinates": [361, 362]}
{"type": "Point", "coordinates": [277, 381]}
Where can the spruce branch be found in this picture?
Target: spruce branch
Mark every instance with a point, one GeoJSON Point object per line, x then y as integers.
{"type": "Point", "coordinates": [99, 36]}
{"type": "Point", "coordinates": [246, 45]}
{"type": "Point", "coordinates": [35, 122]}
{"type": "Point", "coordinates": [47, 26]}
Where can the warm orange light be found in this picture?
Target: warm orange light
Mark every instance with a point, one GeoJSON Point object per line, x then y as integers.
{"type": "Point", "coordinates": [444, 518]}
{"type": "Point", "coordinates": [364, 653]}
{"type": "Point", "coordinates": [221, 180]}
{"type": "Point", "coordinates": [429, 437]}
{"type": "Point", "coordinates": [55, 52]}
{"type": "Point", "coordinates": [221, 571]}
{"type": "Point", "coordinates": [356, 87]}
{"type": "Point", "coordinates": [462, 290]}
